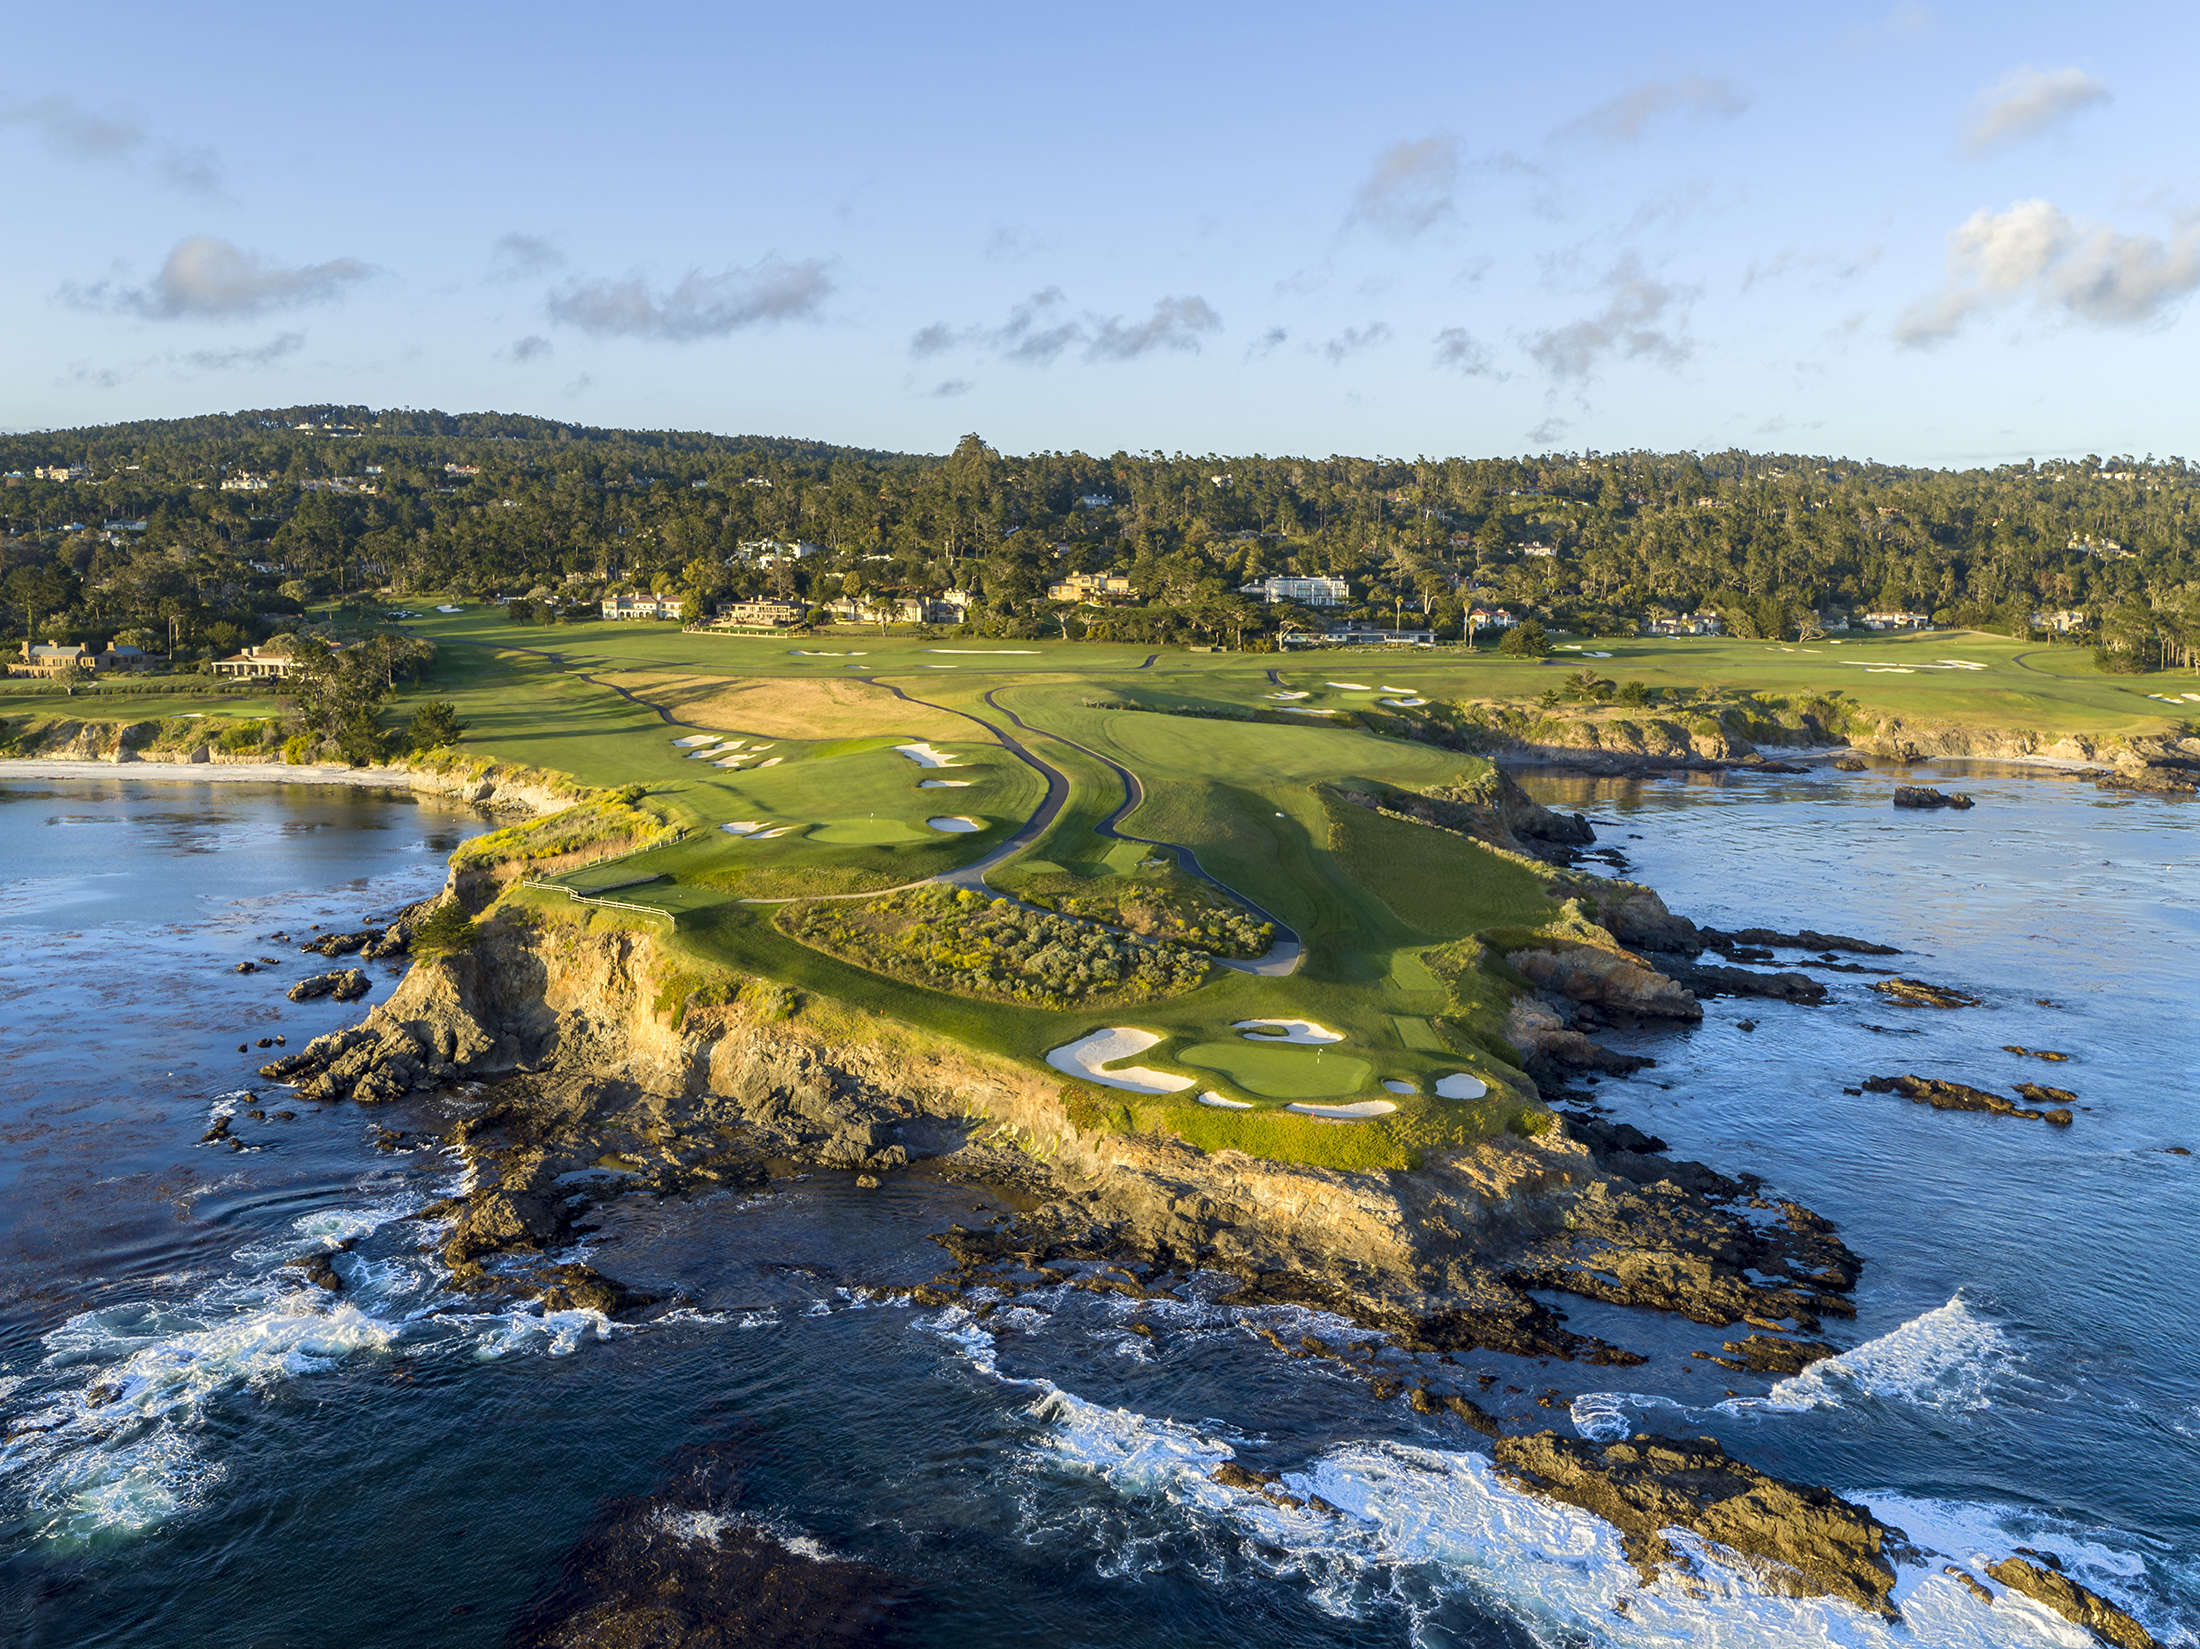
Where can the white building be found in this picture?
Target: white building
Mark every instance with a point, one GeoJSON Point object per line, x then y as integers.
{"type": "Point", "coordinates": [1307, 592]}
{"type": "Point", "coordinates": [767, 552]}
{"type": "Point", "coordinates": [1684, 624]}
{"type": "Point", "coordinates": [641, 606]}
{"type": "Point", "coordinates": [1898, 621]}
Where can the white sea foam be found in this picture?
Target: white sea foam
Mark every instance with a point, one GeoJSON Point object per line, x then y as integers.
{"type": "Point", "coordinates": [1945, 1359]}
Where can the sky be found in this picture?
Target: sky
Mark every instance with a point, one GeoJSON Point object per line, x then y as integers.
{"type": "Point", "coordinates": [1925, 233]}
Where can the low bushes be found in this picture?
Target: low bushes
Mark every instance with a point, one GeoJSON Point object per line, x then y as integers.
{"type": "Point", "coordinates": [959, 942]}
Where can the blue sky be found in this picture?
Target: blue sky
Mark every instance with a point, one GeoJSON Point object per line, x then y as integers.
{"type": "Point", "coordinates": [1935, 234]}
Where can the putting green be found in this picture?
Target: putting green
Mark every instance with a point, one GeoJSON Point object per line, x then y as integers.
{"type": "Point", "coordinates": [867, 832]}
{"type": "Point", "coordinates": [1286, 1072]}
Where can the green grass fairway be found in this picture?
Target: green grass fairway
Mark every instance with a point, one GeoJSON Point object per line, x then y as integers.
{"type": "Point", "coordinates": [1281, 1073]}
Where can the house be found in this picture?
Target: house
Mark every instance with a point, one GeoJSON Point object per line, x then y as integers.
{"type": "Point", "coordinates": [2107, 548]}
{"type": "Point", "coordinates": [1307, 592]}
{"type": "Point", "coordinates": [1094, 501]}
{"type": "Point", "coordinates": [462, 469]}
{"type": "Point", "coordinates": [2061, 623]}
{"type": "Point", "coordinates": [1684, 624]}
{"type": "Point", "coordinates": [1089, 587]}
{"type": "Point", "coordinates": [761, 615]}
{"type": "Point", "coordinates": [245, 481]}
{"type": "Point", "coordinates": [641, 606]}
{"type": "Point", "coordinates": [1898, 621]}
{"type": "Point", "coordinates": [1351, 636]}
{"type": "Point", "coordinates": [948, 607]}
{"type": "Point", "coordinates": [1541, 552]}
{"type": "Point", "coordinates": [60, 472]}
{"type": "Point", "coordinates": [1491, 618]}
{"type": "Point", "coordinates": [766, 552]}
{"type": "Point", "coordinates": [54, 657]}
{"type": "Point", "coordinates": [259, 664]}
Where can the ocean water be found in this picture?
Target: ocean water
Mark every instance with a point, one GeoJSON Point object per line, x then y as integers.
{"type": "Point", "coordinates": [202, 1451]}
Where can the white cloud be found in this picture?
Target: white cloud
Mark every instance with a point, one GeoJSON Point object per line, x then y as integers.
{"type": "Point", "coordinates": [948, 388]}
{"type": "Point", "coordinates": [1267, 344]}
{"type": "Point", "coordinates": [1624, 118]}
{"type": "Point", "coordinates": [516, 256]}
{"type": "Point", "coordinates": [1458, 350]}
{"type": "Point", "coordinates": [1546, 433]}
{"type": "Point", "coordinates": [1642, 319]}
{"type": "Point", "coordinates": [1040, 330]}
{"type": "Point", "coordinates": [2038, 252]}
{"type": "Point", "coordinates": [533, 347]}
{"type": "Point", "coordinates": [700, 306]}
{"type": "Point", "coordinates": [227, 360]}
{"type": "Point", "coordinates": [74, 132]}
{"type": "Point", "coordinates": [206, 277]}
{"type": "Point", "coordinates": [2027, 102]}
{"type": "Point", "coordinates": [1355, 340]}
{"type": "Point", "coordinates": [1410, 189]}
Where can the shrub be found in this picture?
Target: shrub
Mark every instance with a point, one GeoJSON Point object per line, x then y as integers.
{"type": "Point", "coordinates": [446, 929]}
{"type": "Point", "coordinates": [434, 725]}
{"type": "Point", "coordinates": [298, 749]}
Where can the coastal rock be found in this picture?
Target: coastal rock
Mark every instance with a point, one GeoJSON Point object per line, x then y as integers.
{"type": "Point", "coordinates": [347, 985]}
{"type": "Point", "coordinates": [683, 1568]}
{"type": "Point", "coordinates": [2078, 1604]}
{"type": "Point", "coordinates": [1915, 993]}
{"type": "Point", "coordinates": [1956, 1096]}
{"type": "Point", "coordinates": [1922, 796]}
{"type": "Point", "coordinates": [1769, 1354]}
{"type": "Point", "coordinates": [1799, 1540]}
{"type": "Point", "coordinates": [1545, 1039]}
{"type": "Point", "coordinates": [2040, 1094]}
{"type": "Point", "coordinates": [2048, 1054]}
{"type": "Point", "coordinates": [1850, 764]}
{"type": "Point", "coordinates": [341, 944]}
{"type": "Point", "coordinates": [1609, 978]}
{"type": "Point", "coordinates": [1804, 939]}
{"type": "Point", "coordinates": [1707, 979]}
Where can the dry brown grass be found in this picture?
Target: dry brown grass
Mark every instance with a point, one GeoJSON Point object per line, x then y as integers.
{"type": "Point", "coordinates": [781, 709]}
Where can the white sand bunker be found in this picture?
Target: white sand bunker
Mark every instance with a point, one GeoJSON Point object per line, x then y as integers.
{"type": "Point", "coordinates": [695, 739]}
{"type": "Point", "coordinates": [981, 649]}
{"type": "Point", "coordinates": [1404, 704]}
{"type": "Point", "coordinates": [1211, 1098]}
{"type": "Point", "coordinates": [1286, 1030]}
{"type": "Point", "coordinates": [1353, 686]}
{"type": "Point", "coordinates": [956, 826]}
{"type": "Point", "coordinates": [1398, 1087]}
{"type": "Point", "coordinates": [925, 756]}
{"type": "Point", "coordinates": [769, 761]}
{"type": "Point", "coordinates": [943, 784]}
{"type": "Point", "coordinates": [450, 609]}
{"type": "Point", "coordinates": [804, 652]}
{"type": "Point", "coordinates": [733, 762]}
{"type": "Point", "coordinates": [1290, 695]}
{"type": "Point", "coordinates": [744, 827]}
{"type": "Point", "coordinates": [1459, 1085]}
{"type": "Point", "coordinates": [1359, 1112]}
{"type": "Point", "coordinates": [1086, 1056]}
{"type": "Point", "coordinates": [1302, 710]}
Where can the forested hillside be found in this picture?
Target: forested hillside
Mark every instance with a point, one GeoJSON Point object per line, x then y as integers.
{"type": "Point", "coordinates": [251, 518]}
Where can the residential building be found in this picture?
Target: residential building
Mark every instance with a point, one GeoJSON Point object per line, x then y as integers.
{"type": "Point", "coordinates": [1349, 636]}
{"type": "Point", "coordinates": [1491, 618]}
{"type": "Point", "coordinates": [1307, 592]}
{"type": "Point", "coordinates": [1094, 501]}
{"type": "Point", "coordinates": [764, 552]}
{"type": "Point", "coordinates": [1541, 552]}
{"type": "Point", "coordinates": [259, 664]}
{"type": "Point", "coordinates": [2062, 623]}
{"type": "Point", "coordinates": [641, 606]}
{"type": "Point", "coordinates": [1898, 621]}
{"type": "Point", "coordinates": [60, 472]}
{"type": "Point", "coordinates": [1684, 624]}
{"type": "Point", "coordinates": [1089, 587]}
{"type": "Point", "coordinates": [53, 657]}
{"type": "Point", "coordinates": [762, 615]}
{"type": "Point", "coordinates": [244, 481]}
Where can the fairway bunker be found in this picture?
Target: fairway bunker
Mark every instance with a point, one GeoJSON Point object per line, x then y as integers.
{"type": "Point", "coordinates": [697, 738]}
{"type": "Point", "coordinates": [1398, 1087]}
{"type": "Point", "coordinates": [1018, 650]}
{"type": "Point", "coordinates": [1404, 704]}
{"type": "Point", "coordinates": [1088, 1054]}
{"type": "Point", "coordinates": [1459, 1085]}
{"type": "Point", "coordinates": [1290, 695]}
{"type": "Point", "coordinates": [1352, 686]}
{"type": "Point", "coordinates": [1360, 1111]}
{"type": "Point", "coordinates": [925, 756]}
{"type": "Point", "coordinates": [1286, 1030]}
{"type": "Point", "coordinates": [955, 825]}
{"type": "Point", "coordinates": [1217, 1102]}
{"type": "Point", "coordinates": [943, 784]}
{"type": "Point", "coordinates": [746, 827]}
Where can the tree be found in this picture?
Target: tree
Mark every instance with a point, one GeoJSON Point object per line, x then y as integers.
{"type": "Point", "coordinates": [434, 725]}
{"type": "Point", "coordinates": [446, 929]}
{"type": "Point", "coordinates": [1525, 640]}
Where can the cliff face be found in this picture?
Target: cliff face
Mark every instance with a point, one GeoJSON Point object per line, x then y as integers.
{"type": "Point", "coordinates": [592, 1056]}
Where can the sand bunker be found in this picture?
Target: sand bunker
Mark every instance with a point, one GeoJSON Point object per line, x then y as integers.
{"type": "Point", "coordinates": [1286, 1030]}
{"type": "Point", "coordinates": [1085, 1057]}
{"type": "Point", "coordinates": [925, 756]}
{"type": "Point", "coordinates": [1219, 1103]}
{"type": "Point", "coordinates": [943, 784]}
{"type": "Point", "coordinates": [803, 652]}
{"type": "Point", "coordinates": [1397, 1087]}
{"type": "Point", "coordinates": [1302, 710]}
{"type": "Point", "coordinates": [1290, 695]}
{"type": "Point", "coordinates": [1459, 1085]}
{"type": "Point", "coordinates": [1404, 704]}
{"type": "Point", "coordinates": [769, 761]}
{"type": "Point", "coordinates": [450, 609]}
{"type": "Point", "coordinates": [956, 826]}
{"type": "Point", "coordinates": [697, 738]}
{"type": "Point", "coordinates": [744, 827]}
{"type": "Point", "coordinates": [1359, 1112]}
{"type": "Point", "coordinates": [1353, 686]}
{"type": "Point", "coordinates": [981, 649]}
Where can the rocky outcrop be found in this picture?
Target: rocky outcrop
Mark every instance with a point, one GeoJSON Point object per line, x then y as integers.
{"type": "Point", "coordinates": [346, 985]}
{"type": "Point", "coordinates": [2043, 1583]}
{"type": "Point", "coordinates": [1956, 1096]}
{"type": "Point", "coordinates": [1799, 1540]}
{"type": "Point", "coordinates": [683, 1567]}
{"type": "Point", "coordinates": [1916, 993]}
{"type": "Point", "coordinates": [1770, 1354]}
{"type": "Point", "coordinates": [1920, 796]}
{"type": "Point", "coordinates": [1609, 978]}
